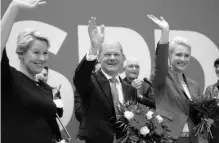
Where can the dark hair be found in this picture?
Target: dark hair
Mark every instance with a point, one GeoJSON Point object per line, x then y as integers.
{"type": "Point", "coordinates": [216, 62]}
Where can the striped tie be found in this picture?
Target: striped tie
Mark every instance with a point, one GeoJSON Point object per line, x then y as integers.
{"type": "Point", "coordinates": [114, 92]}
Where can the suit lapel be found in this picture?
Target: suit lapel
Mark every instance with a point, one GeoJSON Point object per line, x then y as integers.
{"type": "Point", "coordinates": [191, 88]}
{"type": "Point", "coordinates": [125, 90]}
{"type": "Point", "coordinates": [177, 85]}
{"type": "Point", "coordinates": [181, 97]}
{"type": "Point", "coordinates": [105, 86]}
{"type": "Point", "coordinates": [215, 90]}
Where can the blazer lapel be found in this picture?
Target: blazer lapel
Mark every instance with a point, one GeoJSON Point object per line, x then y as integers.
{"type": "Point", "coordinates": [105, 86]}
{"type": "Point", "coordinates": [181, 97]}
{"type": "Point", "coordinates": [126, 91]}
{"type": "Point", "coordinates": [215, 90]}
{"type": "Point", "coordinates": [192, 90]}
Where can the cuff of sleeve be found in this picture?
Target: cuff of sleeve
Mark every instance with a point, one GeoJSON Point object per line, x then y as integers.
{"type": "Point", "coordinates": [59, 103]}
{"type": "Point", "coordinates": [140, 96]}
{"type": "Point", "coordinates": [162, 44]}
{"type": "Point", "coordinates": [90, 57]}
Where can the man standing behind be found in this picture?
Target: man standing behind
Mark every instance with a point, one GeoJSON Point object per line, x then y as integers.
{"type": "Point", "coordinates": [102, 90]}
{"type": "Point", "coordinates": [212, 91]}
{"type": "Point", "coordinates": [143, 87]}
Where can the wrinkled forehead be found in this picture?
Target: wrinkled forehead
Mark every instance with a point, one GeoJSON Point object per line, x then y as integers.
{"type": "Point", "coordinates": [133, 62]}
{"type": "Point", "coordinates": [111, 47]}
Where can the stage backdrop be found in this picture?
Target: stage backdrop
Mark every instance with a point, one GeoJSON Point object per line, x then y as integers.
{"type": "Point", "coordinates": [65, 23]}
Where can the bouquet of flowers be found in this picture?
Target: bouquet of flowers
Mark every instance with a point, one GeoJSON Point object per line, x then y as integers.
{"type": "Point", "coordinates": [204, 112]}
{"type": "Point", "coordinates": [141, 124]}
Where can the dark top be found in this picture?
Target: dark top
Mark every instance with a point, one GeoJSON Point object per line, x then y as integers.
{"type": "Point", "coordinates": [28, 110]}
{"type": "Point", "coordinates": [212, 91]}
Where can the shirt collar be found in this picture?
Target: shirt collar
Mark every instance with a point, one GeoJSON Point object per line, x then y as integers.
{"type": "Point", "coordinates": [109, 77]}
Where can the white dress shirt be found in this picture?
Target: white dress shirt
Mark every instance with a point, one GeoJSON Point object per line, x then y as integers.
{"type": "Point", "coordinates": [118, 84]}
{"type": "Point", "coordinates": [186, 90]}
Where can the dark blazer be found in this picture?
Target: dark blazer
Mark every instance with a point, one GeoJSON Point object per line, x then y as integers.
{"type": "Point", "coordinates": [147, 93]}
{"type": "Point", "coordinates": [98, 121]}
{"type": "Point", "coordinates": [171, 101]}
{"type": "Point", "coordinates": [77, 106]}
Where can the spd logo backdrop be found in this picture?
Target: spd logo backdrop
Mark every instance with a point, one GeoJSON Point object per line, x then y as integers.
{"type": "Point", "coordinates": [64, 22]}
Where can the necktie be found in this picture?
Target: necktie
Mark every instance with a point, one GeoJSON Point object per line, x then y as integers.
{"type": "Point", "coordinates": [114, 92]}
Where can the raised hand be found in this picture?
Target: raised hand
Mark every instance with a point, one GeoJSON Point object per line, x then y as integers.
{"type": "Point", "coordinates": [164, 39]}
{"type": "Point", "coordinates": [11, 13]}
{"type": "Point", "coordinates": [96, 36]}
{"type": "Point", "coordinates": [160, 22]}
{"type": "Point", "coordinates": [28, 5]}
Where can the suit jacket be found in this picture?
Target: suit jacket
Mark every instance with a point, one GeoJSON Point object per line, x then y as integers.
{"type": "Point", "coordinates": [77, 106]}
{"type": "Point", "coordinates": [211, 92]}
{"type": "Point", "coordinates": [98, 121]}
{"type": "Point", "coordinates": [147, 93]}
{"type": "Point", "coordinates": [171, 100]}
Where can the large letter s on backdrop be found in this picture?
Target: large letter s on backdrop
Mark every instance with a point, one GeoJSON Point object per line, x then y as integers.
{"type": "Point", "coordinates": [203, 50]}
{"type": "Point", "coordinates": [56, 37]}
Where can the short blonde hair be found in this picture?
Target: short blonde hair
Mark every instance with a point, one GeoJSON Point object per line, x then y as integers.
{"type": "Point", "coordinates": [26, 38]}
{"type": "Point", "coordinates": [178, 41]}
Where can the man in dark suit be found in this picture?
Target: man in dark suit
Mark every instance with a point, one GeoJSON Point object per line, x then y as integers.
{"type": "Point", "coordinates": [143, 87]}
{"type": "Point", "coordinates": [77, 100]}
{"type": "Point", "coordinates": [77, 107]}
{"type": "Point", "coordinates": [103, 90]}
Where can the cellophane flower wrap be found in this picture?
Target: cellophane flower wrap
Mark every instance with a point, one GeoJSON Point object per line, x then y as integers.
{"type": "Point", "coordinates": [204, 112]}
{"type": "Point", "coordinates": [141, 124]}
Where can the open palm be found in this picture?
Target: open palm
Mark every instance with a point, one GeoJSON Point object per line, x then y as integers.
{"type": "Point", "coordinates": [96, 36]}
{"type": "Point", "coordinates": [160, 22]}
{"type": "Point", "coordinates": [30, 4]}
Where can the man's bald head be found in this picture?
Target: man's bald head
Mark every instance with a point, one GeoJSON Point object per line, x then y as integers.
{"type": "Point", "coordinates": [107, 45]}
{"type": "Point", "coordinates": [132, 68]}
